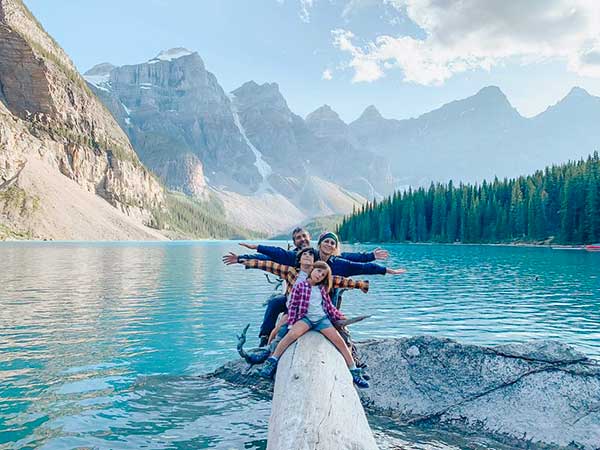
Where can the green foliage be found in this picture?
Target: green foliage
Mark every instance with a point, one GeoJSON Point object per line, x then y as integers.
{"type": "Point", "coordinates": [8, 233]}
{"type": "Point", "coordinates": [559, 204]}
{"type": "Point", "coordinates": [188, 218]}
{"type": "Point", "coordinates": [16, 199]}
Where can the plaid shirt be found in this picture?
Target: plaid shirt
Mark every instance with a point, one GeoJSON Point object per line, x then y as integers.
{"type": "Point", "coordinates": [290, 275]}
{"type": "Point", "coordinates": [300, 298]}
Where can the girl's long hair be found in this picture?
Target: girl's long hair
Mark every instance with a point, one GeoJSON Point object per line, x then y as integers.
{"type": "Point", "coordinates": [328, 280]}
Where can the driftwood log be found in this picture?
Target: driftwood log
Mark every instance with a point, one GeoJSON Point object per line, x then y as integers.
{"type": "Point", "coordinates": [315, 404]}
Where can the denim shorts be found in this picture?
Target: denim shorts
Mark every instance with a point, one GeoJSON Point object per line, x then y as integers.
{"type": "Point", "coordinates": [318, 325]}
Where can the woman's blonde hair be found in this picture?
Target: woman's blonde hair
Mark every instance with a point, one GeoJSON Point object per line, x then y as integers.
{"type": "Point", "coordinates": [328, 280]}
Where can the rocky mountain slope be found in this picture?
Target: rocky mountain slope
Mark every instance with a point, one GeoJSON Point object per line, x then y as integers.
{"type": "Point", "coordinates": [247, 148]}
{"type": "Point", "coordinates": [67, 170]}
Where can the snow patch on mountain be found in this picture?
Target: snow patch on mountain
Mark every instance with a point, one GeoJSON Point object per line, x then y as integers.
{"type": "Point", "coordinates": [102, 82]}
{"type": "Point", "coordinates": [264, 169]}
{"type": "Point", "coordinates": [171, 54]}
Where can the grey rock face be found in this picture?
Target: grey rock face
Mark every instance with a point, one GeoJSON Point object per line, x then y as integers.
{"type": "Point", "coordinates": [348, 161]}
{"type": "Point", "coordinates": [271, 126]}
{"type": "Point", "coordinates": [180, 121]}
{"type": "Point", "coordinates": [538, 392]}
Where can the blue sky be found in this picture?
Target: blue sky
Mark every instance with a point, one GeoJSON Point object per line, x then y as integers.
{"type": "Point", "coordinates": [404, 56]}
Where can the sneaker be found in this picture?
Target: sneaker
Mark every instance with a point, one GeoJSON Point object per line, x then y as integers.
{"type": "Point", "coordinates": [268, 370]}
{"type": "Point", "coordinates": [258, 357]}
{"type": "Point", "coordinates": [358, 379]}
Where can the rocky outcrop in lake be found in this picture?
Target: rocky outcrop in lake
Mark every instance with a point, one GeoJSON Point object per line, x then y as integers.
{"type": "Point", "coordinates": [541, 392]}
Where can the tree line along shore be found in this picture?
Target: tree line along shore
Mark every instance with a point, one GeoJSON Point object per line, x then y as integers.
{"type": "Point", "coordinates": [558, 205]}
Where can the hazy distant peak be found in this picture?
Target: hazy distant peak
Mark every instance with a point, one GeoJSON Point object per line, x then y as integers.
{"type": "Point", "coordinates": [323, 113]}
{"type": "Point", "coordinates": [100, 69]}
{"type": "Point", "coordinates": [252, 93]}
{"type": "Point", "coordinates": [576, 91]}
{"type": "Point", "coordinates": [253, 86]}
{"type": "Point", "coordinates": [370, 113]}
{"type": "Point", "coordinates": [491, 92]}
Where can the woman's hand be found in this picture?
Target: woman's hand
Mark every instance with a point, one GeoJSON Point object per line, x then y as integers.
{"type": "Point", "coordinates": [249, 246]}
{"type": "Point", "coordinates": [230, 258]}
{"type": "Point", "coordinates": [380, 253]}
{"type": "Point", "coordinates": [395, 271]}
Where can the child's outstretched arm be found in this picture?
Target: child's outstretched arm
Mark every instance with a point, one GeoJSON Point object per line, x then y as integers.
{"type": "Point", "coordinates": [347, 283]}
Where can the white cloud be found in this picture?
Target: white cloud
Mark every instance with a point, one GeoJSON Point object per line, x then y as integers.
{"type": "Point", "coordinates": [479, 34]}
{"type": "Point", "coordinates": [327, 75]}
{"type": "Point", "coordinates": [305, 7]}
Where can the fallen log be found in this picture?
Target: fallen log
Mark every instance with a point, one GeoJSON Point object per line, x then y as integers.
{"type": "Point", "coordinates": [315, 404]}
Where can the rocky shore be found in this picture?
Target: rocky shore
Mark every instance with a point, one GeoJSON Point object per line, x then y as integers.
{"type": "Point", "coordinates": [541, 392]}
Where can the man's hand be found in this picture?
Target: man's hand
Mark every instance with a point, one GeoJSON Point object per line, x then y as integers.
{"type": "Point", "coordinates": [230, 258]}
{"type": "Point", "coordinates": [395, 271]}
{"type": "Point", "coordinates": [249, 246]}
{"type": "Point", "coordinates": [380, 253]}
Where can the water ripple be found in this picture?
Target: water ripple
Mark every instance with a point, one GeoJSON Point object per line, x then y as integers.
{"type": "Point", "coordinates": [100, 342]}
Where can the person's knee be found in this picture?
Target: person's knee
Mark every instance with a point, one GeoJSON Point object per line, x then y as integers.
{"type": "Point", "coordinates": [277, 300]}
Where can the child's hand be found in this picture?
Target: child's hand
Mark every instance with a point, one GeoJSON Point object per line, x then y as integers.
{"type": "Point", "coordinates": [230, 258]}
{"type": "Point", "coordinates": [395, 271]}
{"type": "Point", "coordinates": [380, 253]}
{"type": "Point", "coordinates": [249, 246]}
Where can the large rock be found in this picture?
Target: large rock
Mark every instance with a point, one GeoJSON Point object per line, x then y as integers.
{"type": "Point", "coordinates": [538, 392]}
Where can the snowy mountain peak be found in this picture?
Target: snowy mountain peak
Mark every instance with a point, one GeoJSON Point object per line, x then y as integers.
{"type": "Point", "coordinates": [171, 54]}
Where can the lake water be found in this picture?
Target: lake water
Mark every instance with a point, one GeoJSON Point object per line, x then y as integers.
{"type": "Point", "coordinates": [100, 343]}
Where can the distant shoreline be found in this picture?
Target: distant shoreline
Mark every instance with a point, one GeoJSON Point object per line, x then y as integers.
{"type": "Point", "coordinates": [505, 244]}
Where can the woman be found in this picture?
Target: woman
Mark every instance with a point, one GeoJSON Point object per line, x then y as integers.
{"type": "Point", "coordinates": [329, 249]}
{"type": "Point", "coordinates": [310, 307]}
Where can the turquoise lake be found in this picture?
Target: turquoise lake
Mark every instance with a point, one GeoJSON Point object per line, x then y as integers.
{"type": "Point", "coordinates": [101, 343]}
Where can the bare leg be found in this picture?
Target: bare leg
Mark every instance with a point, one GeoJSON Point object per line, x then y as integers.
{"type": "Point", "coordinates": [332, 334]}
{"type": "Point", "coordinates": [297, 330]}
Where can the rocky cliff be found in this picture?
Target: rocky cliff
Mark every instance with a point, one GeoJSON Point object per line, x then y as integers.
{"type": "Point", "coordinates": [52, 125]}
{"type": "Point", "coordinates": [540, 394]}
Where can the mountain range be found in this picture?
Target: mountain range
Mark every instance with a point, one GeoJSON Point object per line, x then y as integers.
{"type": "Point", "coordinates": [159, 148]}
{"type": "Point", "coordinates": [248, 143]}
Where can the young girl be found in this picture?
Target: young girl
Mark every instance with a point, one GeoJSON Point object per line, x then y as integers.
{"type": "Point", "coordinates": [310, 307]}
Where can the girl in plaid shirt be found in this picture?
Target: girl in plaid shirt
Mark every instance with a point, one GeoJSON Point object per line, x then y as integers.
{"type": "Point", "coordinates": [309, 308]}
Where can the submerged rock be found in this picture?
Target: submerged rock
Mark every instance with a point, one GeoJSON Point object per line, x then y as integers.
{"type": "Point", "coordinates": [540, 392]}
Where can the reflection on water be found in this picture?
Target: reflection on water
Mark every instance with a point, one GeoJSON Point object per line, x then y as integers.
{"type": "Point", "coordinates": [100, 342]}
